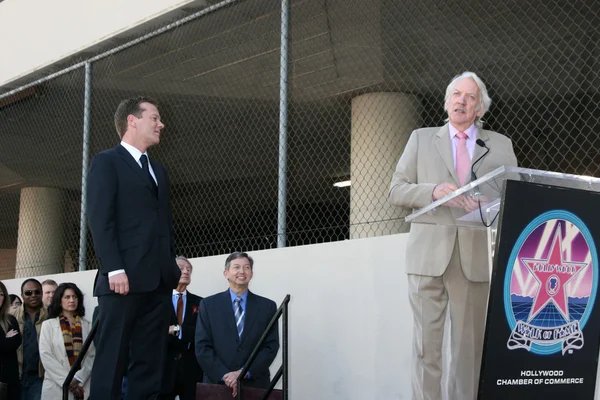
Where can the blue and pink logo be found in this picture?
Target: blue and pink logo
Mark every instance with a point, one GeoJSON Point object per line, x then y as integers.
{"type": "Point", "coordinates": [550, 284]}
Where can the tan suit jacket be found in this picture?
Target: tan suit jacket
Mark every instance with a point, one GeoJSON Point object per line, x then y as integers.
{"type": "Point", "coordinates": [426, 162]}
{"type": "Point", "coordinates": [56, 363]}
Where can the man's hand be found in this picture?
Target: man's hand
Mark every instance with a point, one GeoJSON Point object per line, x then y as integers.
{"type": "Point", "coordinates": [234, 390]}
{"type": "Point", "coordinates": [443, 190]}
{"type": "Point", "coordinates": [230, 380]}
{"type": "Point", "coordinates": [470, 203]}
{"type": "Point", "coordinates": [119, 283]}
{"type": "Point", "coordinates": [76, 389]}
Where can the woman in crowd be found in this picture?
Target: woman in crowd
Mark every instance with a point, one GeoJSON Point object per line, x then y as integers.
{"type": "Point", "coordinates": [61, 340]}
{"type": "Point", "coordinates": [15, 302]}
{"type": "Point", "coordinates": [10, 340]}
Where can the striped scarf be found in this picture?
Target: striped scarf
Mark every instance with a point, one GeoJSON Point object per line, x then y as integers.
{"type": "Point", "coordinates": [73, 337]}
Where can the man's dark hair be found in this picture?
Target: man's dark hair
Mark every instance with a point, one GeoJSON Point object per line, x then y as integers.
{"type": "Point", "coordinates": [130, 107]}
{"type": "Point", "coordinates": [55, 308]}
{"type": "Point", "coordinates": [26, 281]}
{"type": "Point", "coordinates": [238, 254]}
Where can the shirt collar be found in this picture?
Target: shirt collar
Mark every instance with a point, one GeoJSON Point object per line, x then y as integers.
{"type": "Point", "coordinates": [175, 292]}
{"type": "Point", "coordinates": [135, 153]}
{"type": "Point", "coordinates": [234, 296]}
{"type": "Point", "coordinates": [471, 131]}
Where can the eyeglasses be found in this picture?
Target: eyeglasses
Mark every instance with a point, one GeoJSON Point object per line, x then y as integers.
{"type": "Point", "coordinates": [32, 292]}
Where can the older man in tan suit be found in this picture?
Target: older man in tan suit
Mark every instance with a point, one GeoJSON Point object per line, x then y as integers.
{"type": "Point", "coordinates": [447, 267]}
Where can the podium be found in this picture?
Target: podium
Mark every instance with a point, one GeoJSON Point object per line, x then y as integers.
{"type": "Point", "coordinates": [542, 331]}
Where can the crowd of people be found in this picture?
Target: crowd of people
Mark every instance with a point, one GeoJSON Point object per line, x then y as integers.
{"type": "Point", "coordinates": [43, 335]}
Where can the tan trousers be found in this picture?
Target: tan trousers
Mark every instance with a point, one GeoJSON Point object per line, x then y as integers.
{"type": "Point", "coordinates": [430, 297]}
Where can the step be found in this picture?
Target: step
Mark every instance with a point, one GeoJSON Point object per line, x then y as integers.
{"type": "Point", "coordinates": [208, 391]}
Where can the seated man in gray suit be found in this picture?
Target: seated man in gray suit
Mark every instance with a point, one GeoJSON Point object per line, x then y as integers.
{"type": "Point", "coordinates": [230, 325]}
{"type": "Point", "coordinates": [447, 267]}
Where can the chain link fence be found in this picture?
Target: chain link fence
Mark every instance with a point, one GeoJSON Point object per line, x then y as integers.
{"type": "Point", "coordinates": [40, 177]}
{"type": "Point", "coordinates": [362, 76]}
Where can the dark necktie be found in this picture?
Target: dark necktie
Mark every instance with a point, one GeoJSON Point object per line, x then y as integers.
{"type": "Point", "coordinates": [180, 309]}
{"type": "Point", "coordinates": [146, 169]}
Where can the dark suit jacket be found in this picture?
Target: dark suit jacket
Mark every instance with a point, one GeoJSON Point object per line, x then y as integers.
{"type": "Point", "coordinates": [132, 228]}
{"type": "Point", "coordinates": [219, 349]}
{"type": "Point", "coordinates": [184, 346]}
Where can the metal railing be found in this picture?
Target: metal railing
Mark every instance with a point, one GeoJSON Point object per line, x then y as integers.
{"type": "Point", "coordinates": [77, 364]}
{"type": "Point", "coordinates": [283, 370]}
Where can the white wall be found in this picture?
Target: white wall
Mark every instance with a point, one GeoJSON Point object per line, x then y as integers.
{"type": "Point", "coordinates": [37, 33]}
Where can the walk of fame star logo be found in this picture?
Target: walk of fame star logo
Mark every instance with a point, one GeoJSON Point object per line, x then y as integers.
{"type": "Point", "coordinates": [550, 284]}
{"type": "Point", "coordinates": [552, 274]}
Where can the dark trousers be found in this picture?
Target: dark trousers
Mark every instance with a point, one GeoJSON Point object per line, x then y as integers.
{"type": "Point", "coordinates": [132, 336]}
{"type": "Point", "coordinates": [13, 391]}
{"type": "Point", "coordinates": [184, 383]}
{"type": "Point", "coordinates": [31, 387]}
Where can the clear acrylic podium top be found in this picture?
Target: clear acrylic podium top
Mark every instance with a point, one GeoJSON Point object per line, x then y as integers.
{"type": "Point", "coordinates": [487, 192]}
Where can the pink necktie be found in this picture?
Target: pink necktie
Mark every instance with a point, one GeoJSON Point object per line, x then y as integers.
{"type": "Point", "coordinates": [463, 161]}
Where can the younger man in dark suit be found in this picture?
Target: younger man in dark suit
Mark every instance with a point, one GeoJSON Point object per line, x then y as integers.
{"type": "Point", "coordinates": [230, 325]}
{"type": "Point", "coordinates": [182, 371]}
{"type": "Point", "coordinates": [129, 211]}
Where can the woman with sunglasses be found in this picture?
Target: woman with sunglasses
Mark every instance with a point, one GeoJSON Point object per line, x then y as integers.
{"type": "Point", "coordinates": [10, 340]}
{"type": "Point", "coordinates": [61, 340]}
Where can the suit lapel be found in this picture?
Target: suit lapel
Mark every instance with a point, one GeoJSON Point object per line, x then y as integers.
{"type": "Point", "coordinates": [444, 148]}
{"type": "Point", "coordinates": [84, 329]}
{"type": "Point", "coordinates": [174, 313]}
{"type": "Point", "coordinates": [187, 313]}
{"type": "Point", "coordinates": [227, 305]}
{"type": "Point", "coordinates": [158, 172]}
{"type": "Point", "coordinates": [133, 164]}
{"type": "Point", "coordinates": [251, 312]}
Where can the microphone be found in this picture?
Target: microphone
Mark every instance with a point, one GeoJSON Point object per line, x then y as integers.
{"type": "Point", "coordinates": [480, 143]}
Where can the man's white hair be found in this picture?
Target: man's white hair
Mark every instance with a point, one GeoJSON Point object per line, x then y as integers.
{"type": "Point", "coordinates": [484, 99]}
{"type": "Point", "coordinates": [183, 258]}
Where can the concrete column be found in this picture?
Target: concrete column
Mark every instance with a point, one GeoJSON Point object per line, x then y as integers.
{"type": "Point", "coordinates": [381, 126]}
{"type": "Point", "coordinates": [41, 237]}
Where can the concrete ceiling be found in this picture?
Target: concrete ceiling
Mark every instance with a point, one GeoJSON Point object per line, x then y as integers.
{"type": "Point", "coordinates": [343, 46]}
{"type": "Point", "coordinates": [219, 79]}
{"type": "Point", "coordinates": [223, 70]}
